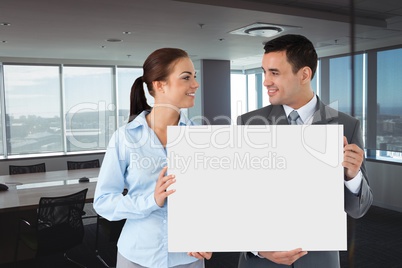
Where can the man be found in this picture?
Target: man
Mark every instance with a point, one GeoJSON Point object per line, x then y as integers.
{"type": "Point", "coordinates": [289, 64]}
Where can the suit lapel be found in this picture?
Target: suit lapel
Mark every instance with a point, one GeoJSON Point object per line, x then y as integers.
{"type": "Point", "coordinates": [324, 114]}
{"type": "Point", "coordinates": [277, 116]}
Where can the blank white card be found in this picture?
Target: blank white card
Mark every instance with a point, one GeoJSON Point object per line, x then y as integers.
{"type": "Point", "coordinates": [256, 188]}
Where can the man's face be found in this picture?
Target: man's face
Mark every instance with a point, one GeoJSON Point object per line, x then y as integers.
{"type": "Point", "coordinates": [283, 86]}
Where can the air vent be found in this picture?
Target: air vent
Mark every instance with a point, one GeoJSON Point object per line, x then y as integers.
{"type": "Point", "coordinates": [263, 29]}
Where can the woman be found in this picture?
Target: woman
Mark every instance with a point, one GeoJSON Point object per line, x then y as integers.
{"type": "Point", "coordinates": [136, 160]}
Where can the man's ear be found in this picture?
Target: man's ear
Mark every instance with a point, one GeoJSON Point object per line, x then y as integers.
{"type": "Point", "coordinates": [306, 74]}
{"type": "Point", "coordinates": [159, 86]}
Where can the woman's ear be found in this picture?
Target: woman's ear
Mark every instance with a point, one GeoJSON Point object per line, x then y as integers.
{"type": "Point", "coordinates": [159, 86]}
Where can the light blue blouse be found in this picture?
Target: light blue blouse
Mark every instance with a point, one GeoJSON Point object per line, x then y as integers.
{"type": "Point", "coordinates": [133, 160]}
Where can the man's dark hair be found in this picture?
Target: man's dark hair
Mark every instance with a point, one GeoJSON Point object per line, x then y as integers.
{"type": "Point", "coordinates": [300, 51]}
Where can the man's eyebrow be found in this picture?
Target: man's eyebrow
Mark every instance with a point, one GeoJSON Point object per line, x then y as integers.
{"type": "Point", "coordinates": [273, 70]}
{"type": "Point", "coordinates": [270, 69]}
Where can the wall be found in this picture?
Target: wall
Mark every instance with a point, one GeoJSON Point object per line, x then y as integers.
{"type": "Point", "coordinates": [216, 91]}
{"type": "Point", "coordinates": [195, 112]}
{"type": "Point", "coordinates": [386, 182]}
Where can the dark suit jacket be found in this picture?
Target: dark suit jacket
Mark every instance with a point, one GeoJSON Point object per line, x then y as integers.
{"type": "Point", "coordinates": [355, 205]}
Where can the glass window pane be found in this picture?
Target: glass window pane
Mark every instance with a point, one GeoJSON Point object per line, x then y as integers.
{"type": "Point", "coordinates": [89, 107]}
{"type": "Point", "coordinates": [126, 78]}
{"type": "Point", "coordinates": [252, 92]}
{"type": "Point", "coordinates": [238, 95]}
{"type": "Point", "coordinates": [340, 91]}
{"type": "Point", "coordinates": [360, 89]}
{"type": "Point", "coordinates": [314, 82]}
{"type": "Point", "coordinates": [1, 110]}
{"type": "Point", "coordinates": [265, 97]}
{"type": "Point", "coordinates": [32, 95]}
{"type": "Point", "coordinates": [1, 134]}
{"type": "Point", "coordinates": [389, 96]}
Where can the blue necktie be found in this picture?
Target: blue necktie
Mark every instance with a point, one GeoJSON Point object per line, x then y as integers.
{"type": "Point", "coordinates": [293, 117]}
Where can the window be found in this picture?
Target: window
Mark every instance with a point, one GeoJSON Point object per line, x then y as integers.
{"type": "Point", "coordinates": [341, 95]}
{"type": "Point", "coordinates": [247, 92]}
{"type": "Point", "coordinates": [340, 87]}
{"type": "Point", "coordinates": [61, 109]}
{"type": "Point", "coordinates": [33, 107]}
{"type": "Point", "coordinates": [1, 109]}
{"type": "Point", "coordinates": [89, 107]}
{"type": "Point", "coordinates": [251, 92]}
{"type": "Point", "coordinates": [125, 80]}
{"type": "Point", "coordinates": [389, 109]}
{"type": "Point", "coordinates": [265, 97]}
{"type": "Point", "coordinates": [238, 95]}
{"type": "Point", "coordinates": [1, 134]}
{"type": "Point", "coordinates": [315, 81]}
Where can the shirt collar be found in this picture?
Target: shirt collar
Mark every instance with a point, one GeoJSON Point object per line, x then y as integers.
{"type": "Point", "coordinates": [305, 112]}
{"type": "Point", "coordinates": [140, 120]}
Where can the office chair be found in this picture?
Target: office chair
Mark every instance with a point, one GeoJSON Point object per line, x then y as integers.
{"type": "Point", "coordinates": [58, 227]}
{"type": "Point", "coordinates": [83, 164]}
{"type": "Point", "coordinates": [13, 170]}
{"type": "Point", "coordinates": [72, 165]}
{"type": "Point", "coordinates": [110, 230]}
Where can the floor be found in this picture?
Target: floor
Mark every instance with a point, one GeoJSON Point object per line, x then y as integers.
{"type": "Point", "coordinates": [375, 241]}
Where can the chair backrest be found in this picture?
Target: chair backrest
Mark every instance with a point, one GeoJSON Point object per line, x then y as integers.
{"type": "Point", "coordinates": [27, 169]}
{"type": "Point", "coordinates": [59, 222]}
{"type": "Point", "coordinates": [83, 164]}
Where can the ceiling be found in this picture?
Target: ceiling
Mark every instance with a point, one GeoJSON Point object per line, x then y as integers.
{"type": "Point", "coordinates": [75, 31]}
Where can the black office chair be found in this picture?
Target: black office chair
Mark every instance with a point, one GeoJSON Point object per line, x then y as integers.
{"type": "Point", "coordinates": [83, 164]}
{"type": "Point", "coordinates": [13, 169]}
{"type": "Point", "coordinates": [72, 165]}
{"type": "Point", "coordinates": [58, 227]}
{"type": "Point", "coordinates": [107, 229]}
{"type": "Point", "coordinates": [107, 232]}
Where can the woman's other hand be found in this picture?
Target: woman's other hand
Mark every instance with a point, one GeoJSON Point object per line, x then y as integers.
{"type": "Point", "coordinates": [162, 184]}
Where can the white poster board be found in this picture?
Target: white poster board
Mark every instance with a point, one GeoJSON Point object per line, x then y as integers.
{"type": "Point", "coordinates": [256, 188]}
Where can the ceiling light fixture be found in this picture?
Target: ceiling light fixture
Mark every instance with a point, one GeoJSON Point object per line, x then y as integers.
{"type": "Point", "coordinates": [265, 31]}
{"type": "Point", "coordinates": [114, 40]}
{"type": "Point", "coordinates": [5, 24]}
{"type": "Point", "coordinates": [262, 29]}
{"type": "Point", "coordinates": [127, 32]}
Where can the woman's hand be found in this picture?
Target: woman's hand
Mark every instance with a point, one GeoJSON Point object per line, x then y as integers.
{"type": "Point", "coordinates": [162, 184]}
{"type": "Point", "coordinates": [200, 255]}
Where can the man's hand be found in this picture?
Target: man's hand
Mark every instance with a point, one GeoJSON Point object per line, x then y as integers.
{"type": "Point", "coordinates": [200, 255]}
{"type": "Point", "coordinates": [283, 257]}
{"type": "Point", "coordinates": [352, 159]}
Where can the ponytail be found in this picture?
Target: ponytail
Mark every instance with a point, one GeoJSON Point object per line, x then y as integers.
{"type": "Point", "coordinates": [157, 67]}
{"type": "Point", "coordinates": [138, 101]}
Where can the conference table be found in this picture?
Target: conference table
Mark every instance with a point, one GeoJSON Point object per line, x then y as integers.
{"type": "Point", "coordinates": [25, 190]}
{"type": "Point", "coordinates": [22, 199]}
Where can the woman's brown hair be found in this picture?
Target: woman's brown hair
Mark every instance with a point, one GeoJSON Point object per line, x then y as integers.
{"type": "Point", "coordinates": [157, 67]}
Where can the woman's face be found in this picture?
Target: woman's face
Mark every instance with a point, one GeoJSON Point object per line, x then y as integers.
{"type": "Point", "coordinates": [180, 87]}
